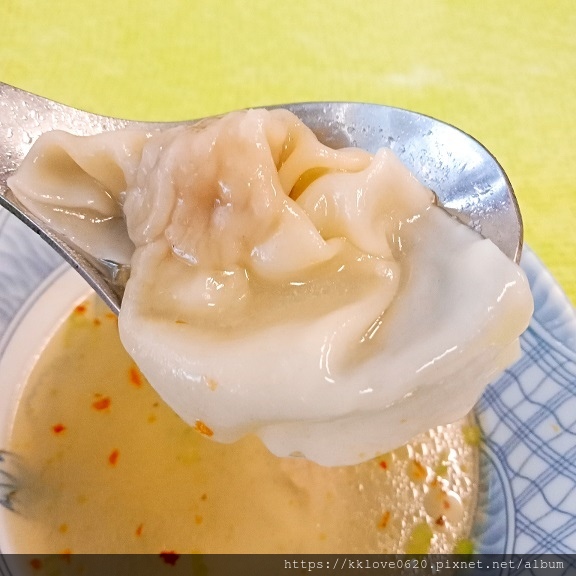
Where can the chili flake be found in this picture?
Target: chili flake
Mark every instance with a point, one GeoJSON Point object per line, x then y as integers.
{"type": "Point", "coordinates": [385, 461]}
{"type": "Point", "coordinates": [135, 377]}
{"type": "Point", "coordinates": [384, 520]}
{"type": "Point", "coordinates": [417, 472]}
{"type": "Point", "coordinates": [80, 309]}
{"type": "Point", "coordinates": [170, 557]}
{"type": "Point", "coordinates": [102, 403]}
{"type": "Point", "coordinates": [203, 428]}
{"type": "Point", "coordinates": [113, 458]}
{"type": "Point", "coordinates": [139, 530]}
{"type": "Point", "coordinates": [58, 428]}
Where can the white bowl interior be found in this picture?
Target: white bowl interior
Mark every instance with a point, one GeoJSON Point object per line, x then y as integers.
{"type": "Point", "coordinates": [43, 313]}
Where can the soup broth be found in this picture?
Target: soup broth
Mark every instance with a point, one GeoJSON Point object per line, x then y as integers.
{"type": "Point", "coordinates": [107, 467]}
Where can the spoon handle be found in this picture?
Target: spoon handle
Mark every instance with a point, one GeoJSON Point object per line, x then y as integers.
{"type": "Point", "coordinates": [106, 277]}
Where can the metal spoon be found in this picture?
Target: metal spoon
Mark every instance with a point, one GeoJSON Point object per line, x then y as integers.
{"type": "Point", "coordinates": [467, 179]}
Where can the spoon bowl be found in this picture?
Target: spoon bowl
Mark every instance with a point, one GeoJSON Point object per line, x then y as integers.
{"type": "Point", "coordinates": [467, 180]}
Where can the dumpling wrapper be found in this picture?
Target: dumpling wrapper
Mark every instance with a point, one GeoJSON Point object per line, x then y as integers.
{"type": "Point", "coordinates": [314, 297]}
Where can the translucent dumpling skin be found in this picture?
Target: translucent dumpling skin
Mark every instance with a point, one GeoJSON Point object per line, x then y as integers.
{"type": "Point", "coordinates": [315, 297]}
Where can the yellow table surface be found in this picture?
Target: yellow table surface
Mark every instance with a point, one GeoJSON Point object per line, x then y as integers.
{"type": "Point", "coordinates": [503, 71]}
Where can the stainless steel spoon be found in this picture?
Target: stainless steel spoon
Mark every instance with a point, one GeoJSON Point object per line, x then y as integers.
{"type": "Point", "coordinates": [467, 179]}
